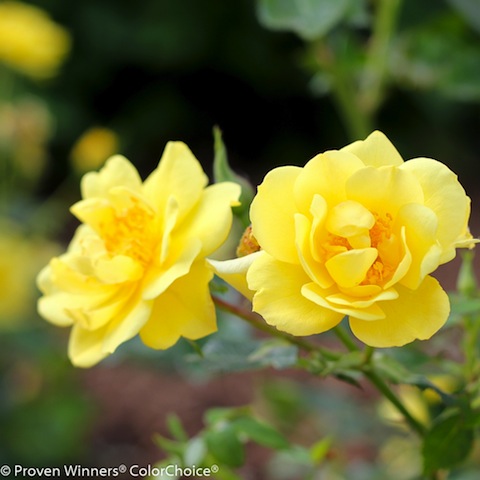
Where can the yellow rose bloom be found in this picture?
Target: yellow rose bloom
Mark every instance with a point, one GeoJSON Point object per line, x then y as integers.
{"type": "Point", "coordinates": [137, 263]}
{"type": "Point", "coordinates": [357, 232]}
{"type": "Point", "coordinates": [30, 41]}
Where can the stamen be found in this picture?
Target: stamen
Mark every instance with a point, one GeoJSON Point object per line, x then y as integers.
{"type": "Point", "coordinates": [132, 233]}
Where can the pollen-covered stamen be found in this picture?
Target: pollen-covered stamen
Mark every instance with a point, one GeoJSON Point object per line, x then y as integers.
{"type": "Point", "coordinates": [351, 227]}
{"type": "Point", "coordinates": [381, 230]}
{"type": "Point", "coordinates": [132, 233]}
{"type": "Point", "coordinates": [379, 272]}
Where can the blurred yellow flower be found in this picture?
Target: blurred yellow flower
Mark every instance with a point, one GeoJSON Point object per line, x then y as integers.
{"type": "Point", "coordinates": [137, 263]}
{"type": "Point", "coordinates": [445, 382]}
{"type": "Point", "coordinates": [30, 41]}
{"type": "Point", "coordinates": [20, 259]}
{"type": "Point", "coordinates": [357, 232]}
{"type": "Point", "coordinates": [93, 148]}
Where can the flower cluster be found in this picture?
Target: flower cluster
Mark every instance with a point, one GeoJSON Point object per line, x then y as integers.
{"type": "Point", "coordinates": [355, 232]}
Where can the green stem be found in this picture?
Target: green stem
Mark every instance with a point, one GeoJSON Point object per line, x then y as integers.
{"type": "Point", "coordinates": [358, 101]}
{"type": "Point", "coordinates": [256, 321]}
{"type": "Point", "coordinates": [345, 338]}
{"type": "Point", "coordinates": [372, 86]}
{"type": "Point", "coordinates": [357, 124]}
{"type": "Point", "coordinates": [379, 383]}
{"type": "Point", "coordinates": [388, 393]}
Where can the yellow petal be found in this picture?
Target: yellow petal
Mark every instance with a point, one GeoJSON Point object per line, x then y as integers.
{"type": "Point", "coordinates": [421, 226]}
{"type": "Point", "coordinates": [52, 308]}
{"type": "Point", "coordinates": [184, 310]}
{"type": "Point", "coordinates": [325, 175]}
{"type": "Point", "coordinates": [403, 261]}
{"type": "Point", "coordinates": [94, 212]}
{"type": "Point", "coordinates": [65, 290]}
{"type": "Point", "coordinates": [348, 219]}
{"type": "Point", "coordinates": [234, 272]}
{"type": "Point", "coordinates": [272, 214]}
{"type": "Point", "coordinates": [365, 301]}
{"type": "Point", "coordinates": [416, 314]}
{"type": "Point", "coordinates": [320, 296]}
{"type": "Point", "coordinates": [88, 347]}
{"type": "Point", "coordinates": [159, 277]}
{"type": "Point", "coordinates": [117, 269]}
{"type": "Point", "coordinates": [211, 220]}
{"type": "Point", "coordinates": [94, 317]}
{"type": "Point", "coordinates": [384, 190]}
{"type": "Point", "coordinates": [85, 347]}
{"type": "Point", "coordinates": [280, 301]}
{"type": "Point", "coordinates": [170, 219]}
{"type": "Point", "coordinates": [179, 174]}
{"type": "Point", "coordinates": [315, 270]}
{"type": "Point", "coordinates": [446, 197]}
{"type": "Point", "coordinates": [117, 171]}
{"type": "Point", "coordinates": [376, 150]}
{"type": "Point", "coordinates": [318, 233]}
{"type": "Point", "coordinates": [350, 268]}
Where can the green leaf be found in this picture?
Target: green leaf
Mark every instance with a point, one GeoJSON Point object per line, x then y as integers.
{"type": "Point", "coordinates": [346, 362]}
{"type": "Point", "coordinates": [310, 19]}
{"type": "Point", "coordinates": [195, 451]}
{"type": "Point", "coordinates": [225, 446]}
{"type": "Point", "coordinates": [227, 355]}
{"type": "Point", "coordinates": [447, 443]}
{"type": "Point", "coordinates": [276, 353]}
{"type": "Point", "coordinates": [439, 55]}
{"type": "Point", "coordinates": [169, 446]}
{"type": "Point", "coordinates": [223, 414]}
{"type": "Point", "coordinates": [260, 433]}
{"type": "Point", "coordinates": [464, 306]}
{"type": "Point", "coordinates": [222, 172]}
{"type": "Point", "coordinates": [391, 369]}
{"type": "Point", "coordinates": [175, 428]}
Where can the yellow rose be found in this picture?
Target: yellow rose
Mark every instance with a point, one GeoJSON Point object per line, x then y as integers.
{"type": "Point", "coordinates": [137, 263]}
{"type": "Point", "coordinates": [356, 232]}
{"type": "Point", "coordinates": [30, 41]}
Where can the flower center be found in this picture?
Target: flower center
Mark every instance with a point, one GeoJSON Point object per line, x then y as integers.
{"type": "Point", "coordinates": [380, 272]}
{"type": "Point", "coordinates": [131, 233]}
{"type": "Point", "coordinates": [361, 237]}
